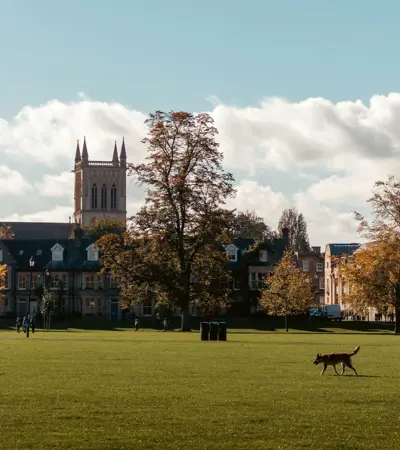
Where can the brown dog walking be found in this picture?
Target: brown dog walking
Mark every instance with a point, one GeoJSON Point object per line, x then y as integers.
{"type": "Point", "coordinates": [332, 359]}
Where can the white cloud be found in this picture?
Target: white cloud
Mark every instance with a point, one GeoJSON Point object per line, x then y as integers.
{"type": "Point", "coordinates": [61, 185]}
{"type": "Point", "coordinates": [12, 183]}
{"type": "Point", "coordinates": [266, 202]}
{"type": "Point", "coordinates": [319, 156]}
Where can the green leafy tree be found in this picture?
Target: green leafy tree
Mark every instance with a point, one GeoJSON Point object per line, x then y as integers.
{"type": "Point", "coordinates": [288, 290]}
{"type": "Point", "coordinates": [297, 225]}
{"type": "Point", "coordinates": [172, 250]}
{"type": "Point", "coordinates": [47, 307]}
{"type": "Point", "coordinates": [248, 225]}
{"type": "Point", "coordinates": [102, 227]}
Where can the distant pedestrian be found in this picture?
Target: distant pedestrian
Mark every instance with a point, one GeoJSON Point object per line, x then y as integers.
{"type": "Point", "coordinates": [158, 321]}
{"type": "Point", "coordinates": [33, 324]}
{"type": "Point", "coordinates": [136, 324]}
{"type": "Point", "coordinates": [18, 324]}
{"type": "Point", "coordinates": [25, 324]}
{"type": "Point", "coordinates": [165, 323]}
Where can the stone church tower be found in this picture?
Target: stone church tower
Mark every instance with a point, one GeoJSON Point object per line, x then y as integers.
{"type": "Point", "coordinates": [100, 186]}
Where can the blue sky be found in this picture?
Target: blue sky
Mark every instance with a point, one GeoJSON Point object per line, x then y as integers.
{"type": "Point", "coordinates": [132, 57]}
{"type": "Point", "coordinates": [175, 53]}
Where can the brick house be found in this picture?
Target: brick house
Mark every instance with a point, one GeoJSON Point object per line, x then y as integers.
{"type": "Point", "coordinates": [312, 263]}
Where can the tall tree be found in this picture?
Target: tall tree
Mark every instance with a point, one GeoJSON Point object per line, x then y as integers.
{"type": "Point", "coordinates": [297, 225]}
{"type": "Point", "coordinates": [250, 226]}
{"type": "Point", "coordinates": [288, 290]}
{"type": "Point", "coordinates": [172, 248]}
{"type": "Point", "coordinates": [373, 273]}
{"type": "Point", "coordinates": [104, 226]}
{"type": "Point", "coordinates": [3, 276]}
{"type": "Point", "coordinates": [6, 231]}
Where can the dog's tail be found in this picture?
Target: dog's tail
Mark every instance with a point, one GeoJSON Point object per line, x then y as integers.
{"type": "Point", "coordinates": [356, 350]}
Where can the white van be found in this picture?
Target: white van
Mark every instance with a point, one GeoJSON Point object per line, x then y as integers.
{"type": "Point", "coordinates": [333, 312]}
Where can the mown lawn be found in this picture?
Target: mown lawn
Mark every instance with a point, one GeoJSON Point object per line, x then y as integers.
{"type": "Point", "coordinates": [124, 390]}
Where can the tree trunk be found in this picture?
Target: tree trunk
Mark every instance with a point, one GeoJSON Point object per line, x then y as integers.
{"type": "Point", "coordinates": [397, 319]}
{"type": "Point", "coordinates": [286, 323]}
{"type": "Point", "coordinates": [185, 319]}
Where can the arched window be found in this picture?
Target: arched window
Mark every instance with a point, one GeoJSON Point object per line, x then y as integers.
{"type": "Point", "coordinates": [113, 197]}
{"type": "Point", "coordinates": [104, 197]}
{"type": "Point", "coordinates": [94, 196]}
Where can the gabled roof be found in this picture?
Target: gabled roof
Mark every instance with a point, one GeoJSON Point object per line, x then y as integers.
{"type": "Point", "coordinates": [74, 258]}
{"type": "Point", "coordinates": [343, 249]}
{"type": "Point", "coordinates": [40, 230]}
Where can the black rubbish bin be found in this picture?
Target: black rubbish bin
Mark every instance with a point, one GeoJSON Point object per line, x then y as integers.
{"type": "Point", "coordinates": [204, 331]}
{"type": "Point", "coordinates": [213, 331]}
{"type": "Point", "coordinates": [222, 331]}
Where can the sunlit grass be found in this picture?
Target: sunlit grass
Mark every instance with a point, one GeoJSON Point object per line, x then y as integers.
{"type": "Point", "coordinates": [124, 390]}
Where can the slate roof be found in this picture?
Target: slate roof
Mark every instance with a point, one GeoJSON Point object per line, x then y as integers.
{"type": "Point", "coordinates": [75, 258]}
{"type": "Point", "coordinates": [40, 230]}
{"type": "Point", "coordinates": [343, 249]}
{"type": "Point", "coordinates": [275, 248]}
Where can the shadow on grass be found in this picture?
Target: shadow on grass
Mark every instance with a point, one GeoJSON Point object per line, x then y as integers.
{"type": "Point", "coordinates": [268, 324]}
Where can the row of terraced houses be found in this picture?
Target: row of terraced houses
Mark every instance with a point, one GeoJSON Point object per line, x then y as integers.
{"type": "Point", "coordinates": [57, 256]}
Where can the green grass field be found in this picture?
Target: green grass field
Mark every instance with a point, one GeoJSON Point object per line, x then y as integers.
{"type": "Point", "coordinates": [123, 390]}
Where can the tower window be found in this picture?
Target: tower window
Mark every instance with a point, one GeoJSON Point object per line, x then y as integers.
{"type": "Point", "coordinates": [113, 197]}
{"type": "Point", "coordinates": [104, 197]}
{"type": "Point", "coordinates": [94, 196]}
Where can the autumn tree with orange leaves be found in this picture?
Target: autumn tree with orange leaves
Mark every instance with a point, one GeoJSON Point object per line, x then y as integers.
{"type": "Point", "coordinates": [3, 276]}
{"type": "Point", "coordinates": [287, 290]}
{"type": "Point", "coordinates": [373, 272]}
{"type": "Point", "coordinates": [6, 232]}
{"type": "Point", "coordinates": [172, 250]}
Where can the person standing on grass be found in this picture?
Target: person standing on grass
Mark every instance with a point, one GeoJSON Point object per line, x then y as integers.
{"type": "Point", "coordinates": [25, 324]}
{"type": "Point", "coordinates": [165, 322]}
{"type": "Point", "coordinates": [136, 324]}
{"type": "Point", "coordinates": [18, 324]}
{"type": "Point", "coordinates": [158, 320]}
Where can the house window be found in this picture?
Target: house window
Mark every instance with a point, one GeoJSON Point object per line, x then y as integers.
{"type": "Point", "coordinates": [113, 197]}
{"type": "Point", "coordinates": [147, 308]}
{"type": "Point", "coordinates": [104, 197]}
{"type": "Point", "coordinates": [321, 283]}
{"type": "Point", "coordinates": [22, 281]}
{"type": "Point", "coordinates": [57, 281]}
{"type": "Point", "coordinates": [57, 253]}
{"type": "Point", "coordinates": [306, 266]}
{"type": "Point", "coordinates": [236, 284]}
{"type": "Point", "coordinates": [92, 253]}
{"type": "Point", "coordinates": [193, 310]}
{"type": "Point", "coordinates": [100, 306]}
{"type": "Point", "coordinates": [257, 280]}
{"type": "Point", "coordinates": [94, 196]}
{"type": "Point", "coordinates": [320, 267]}
{"type": "Point", "coordinates": [39, 252]}
{"type": "Point", "coordinates": [231, 253]}
{"type": "Point", "coordinates": [263, 255]}
{"type": "Point", "coordinates": [35, 280]}
{"type": "Point", "coordinates": [90, 306]}
{"type": "Point", "coordinates": [113, 283]}
{"type": "Point", "coordinates": [92, 281]}
{"type": "Point", "coordinates": [1, 255]}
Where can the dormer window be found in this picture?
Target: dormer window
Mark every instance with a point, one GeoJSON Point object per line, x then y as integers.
{"type": "Point", "coordinates": [263, 255]}
{"type": "Point", "coordinates": [57, 253]}
{"type": "Point", "coordinates": [92, 253]}
{"type": "Point", "coordinates": [231, 252]}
